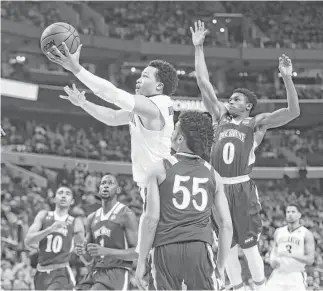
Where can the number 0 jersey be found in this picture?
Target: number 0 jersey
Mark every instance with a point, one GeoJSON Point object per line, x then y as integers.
{"type": "Point", "coordinates": [56, 247]}
{"type": "Point", "coordinates": [233, 150]}
{"type": "Point", "coordinates": [186, 201]}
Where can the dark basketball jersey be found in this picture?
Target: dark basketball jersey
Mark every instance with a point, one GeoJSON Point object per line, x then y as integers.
{"type": "Point", "coordinates": [56, 247]}
{"type": "Point", "coordinates": [108, 231]}
{"type": "Point", "coordinates": [233, 151]}
{"type": "Point", "coordinates": [186, 199]}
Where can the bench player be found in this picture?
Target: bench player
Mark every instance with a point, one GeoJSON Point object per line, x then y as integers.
{"type": "Point", "coordinates": [181, 192]}
{"type": "Point", "coordinates": [54, 231]}
{"type": "Point", "coordinates": [233, 155]}
{"type": "Point", "coordinates": [111, 234]}
{"type": "Point", "coordinates": [294, 248]}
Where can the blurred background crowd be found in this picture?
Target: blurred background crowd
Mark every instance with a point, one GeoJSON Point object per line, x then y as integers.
{"type": "Point", "coordinates": [63, 133]}
{"type": "Point", "coordinates": [231, 25]}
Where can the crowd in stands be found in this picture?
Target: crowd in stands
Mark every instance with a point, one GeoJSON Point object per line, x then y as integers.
{"type": "Point", "coordinates": [23, 198]}
{"type": "Point", "coordinates": [99, 142]}
{"type": "Point", "coordinates": [290, 24]}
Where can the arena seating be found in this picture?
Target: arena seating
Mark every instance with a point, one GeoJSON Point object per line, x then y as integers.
{"type": "Point", "coordinates": [112, 143]}
{"type": "Point", "coordinates": [300, 26]}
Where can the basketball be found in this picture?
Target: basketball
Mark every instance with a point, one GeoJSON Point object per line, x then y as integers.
{"type": "Point", "coordinates": [57, 33]}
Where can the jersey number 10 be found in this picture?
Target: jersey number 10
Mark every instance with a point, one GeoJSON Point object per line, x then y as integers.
{"type": "Point", "coordinates": [54, 244]}
{"type": "Point", "coordinates": [189, 196]}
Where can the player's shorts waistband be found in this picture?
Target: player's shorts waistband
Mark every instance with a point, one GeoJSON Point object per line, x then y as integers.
{"type": "Point", "coordinates": [52, 267]}
{"type": "Point", "coordinates": [235, 180]}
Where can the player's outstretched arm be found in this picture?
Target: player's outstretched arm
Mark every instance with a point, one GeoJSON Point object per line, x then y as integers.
{"type": "Point", "coordinates": [224, 222]}
{"type": "Point", "coordinates": [284, 115]}
{"type": "Point", "coordinates": [210, 100]}
{"type": "Point", "coordinates": [35, 234]}
{"type": "Point", "coordinates": [104, 89]}
{"type": "Point", "coordinates": [106, 115]}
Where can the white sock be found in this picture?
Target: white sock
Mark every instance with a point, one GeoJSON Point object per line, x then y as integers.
{"type": "Point", "coordinates": [256, 266]}
{"type": "Point", "coordinates": [233, 269]}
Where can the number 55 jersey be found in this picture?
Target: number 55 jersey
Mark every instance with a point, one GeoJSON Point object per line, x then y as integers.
{"type": "Point", "coordinates": [186, 200]}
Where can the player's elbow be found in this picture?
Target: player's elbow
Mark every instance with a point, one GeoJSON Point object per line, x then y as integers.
{"type": "Point", "coordinates": [226, 224]}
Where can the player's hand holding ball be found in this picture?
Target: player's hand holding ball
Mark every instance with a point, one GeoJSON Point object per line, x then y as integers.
{"type": "Point", "coordinates": [74, 95]}
{"type": "Point", "coordinates": [60, 42]}
{"type": "Point", "coordinates": [285, 66]}
{"type": "Point", "coordinates": [199, 33]}
{"type": "Point", "coordinates": [67, 60]}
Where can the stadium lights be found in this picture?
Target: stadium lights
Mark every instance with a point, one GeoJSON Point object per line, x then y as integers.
{"type": "Point", "coordinates": [294, 74]}
{"type": "Point", "coordinates": [214, 21]}
{"type": "Point", "coordinates": [222, 29]}
{"type": "Point", "coordinates": [133, 69]}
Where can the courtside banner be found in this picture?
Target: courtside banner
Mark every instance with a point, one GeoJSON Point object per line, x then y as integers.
{"type": "Point", "coordinates": [20, 90]}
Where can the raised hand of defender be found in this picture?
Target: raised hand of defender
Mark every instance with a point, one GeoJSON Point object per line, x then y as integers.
{"type": "Point", "coordinates": [285, 66]}
{"type": "Point", "coordinates": [68, 61]}
{"type": "Point", "coordinates": [74, 95]}
{"type": "Point", "coordinates": [199, 33]}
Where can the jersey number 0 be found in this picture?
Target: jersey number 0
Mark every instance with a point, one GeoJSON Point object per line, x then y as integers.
{"type": "Point", "coordinates": [189, 196]}
{"type": "Point", "coordinates": [228, 153]}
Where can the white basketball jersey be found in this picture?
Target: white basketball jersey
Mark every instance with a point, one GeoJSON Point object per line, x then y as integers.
{"type": "Point", "coordinates": [150, 146]}
{"type": "Point", "coordinates": [293, 242]}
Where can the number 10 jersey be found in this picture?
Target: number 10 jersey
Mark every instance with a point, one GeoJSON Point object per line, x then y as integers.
{"type": "Point", "coordinates": [186, 200]}
{"type": "Point", "coordinates": [233, 151]}
{"type": "Point", "coordinates": [56, 247]}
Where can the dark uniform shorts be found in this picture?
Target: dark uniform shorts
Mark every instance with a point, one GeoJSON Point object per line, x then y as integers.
{"type": "Point", "coordinates": [183, 266]}
{"type": "Point", "coordinates": [106, 279]}
{"type": "Point", "coordinates": [244, 207]}
{"type": "Point", "coordinates": [60, 279]}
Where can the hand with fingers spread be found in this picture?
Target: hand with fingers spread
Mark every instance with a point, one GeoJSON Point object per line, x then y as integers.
{"type": "Point", "coordinates": [68, 61]}
{"type": "Point", "coordinates": [75, 96]}
{"type": "Point", "coordinates": [199, 33]}
{"type": "Point", "coordinates": [285, 66]}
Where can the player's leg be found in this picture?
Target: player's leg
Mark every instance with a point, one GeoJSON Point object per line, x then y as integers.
{"type": "Point", "coordinates": [199, 270]}
{"type": "Point", "coordinates": [40, 280]}
{"type": "Point", "coordinates": [87, 282]}
{"type": "Point", "coordinates": [249, 230]}
{"type": "Point", "coordinates": [111, 279]}
{"type": "Point", "coordinates": [233, 269]}
{"type": "Point", "coordinates": [165, 264]}
{"type": "Point", "coordinates": [62, 279]}
{"type": "Point", "coordinates": [233, 266]}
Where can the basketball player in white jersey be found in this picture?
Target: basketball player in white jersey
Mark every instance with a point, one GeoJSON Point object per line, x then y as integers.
{"type": "Point", "coordinates": [293, 250]}
{"type": "Point", "coordinates": [149, 112]}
